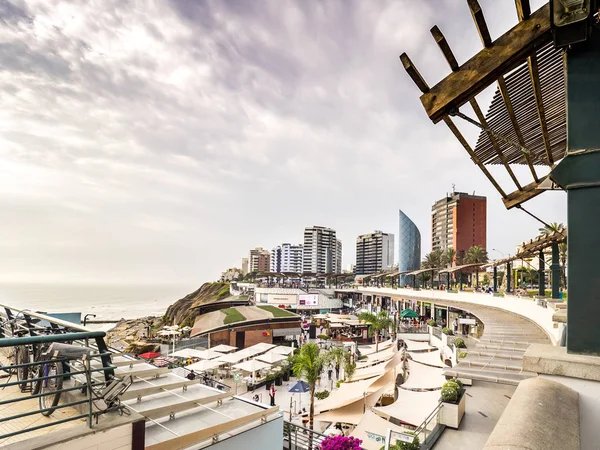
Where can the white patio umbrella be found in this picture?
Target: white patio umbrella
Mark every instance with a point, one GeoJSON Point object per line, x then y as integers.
{"type": "Point", "coordinates": [223, 348]}
{"type": "Point", "coordinates": [203, 366]}
{"type": "Point", "coordinates": [271, 358]}
{"type": "Point", "coordinates": [282, 350]}
{"type": "Point", "coordinates": [183, 353]}
{"type": "Point", "coordinates": [252, 366]}
{"type": "Point", "coordinates": [232, 357]}
{"type": "Point", "coordinates": [206, 354]}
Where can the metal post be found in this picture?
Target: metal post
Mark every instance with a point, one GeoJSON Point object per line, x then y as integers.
{"type": "Point", "coordinates": [555, 268]}
{"type": "Point", "coordinates": [508, 276]}
{"type": "Point", "coordinates": [448, 287]}
{"type": "Point", "coordinates": [495, 279]}
{"type": "Point", "coordinates": [542, 275]}
{"type": "Point", "coordinates": [578, 174]}
{"type": "Point", "coordinates": [461, 279]}
{"type": "Point", "coordinates": [432, 275]}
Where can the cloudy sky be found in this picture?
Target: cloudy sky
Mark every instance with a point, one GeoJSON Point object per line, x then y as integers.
{"type": "Point", "coordinates": [155, 141]}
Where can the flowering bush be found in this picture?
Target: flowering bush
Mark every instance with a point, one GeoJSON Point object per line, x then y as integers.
{"type": "Point", "coordinates": [341, 443]}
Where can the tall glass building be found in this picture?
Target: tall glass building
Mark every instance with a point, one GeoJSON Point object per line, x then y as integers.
{"type": "Point", "coordinates": [409, 246]}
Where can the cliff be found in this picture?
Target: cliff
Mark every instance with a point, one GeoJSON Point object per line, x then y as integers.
{"type": "Point", "coordinates": [181, 312]}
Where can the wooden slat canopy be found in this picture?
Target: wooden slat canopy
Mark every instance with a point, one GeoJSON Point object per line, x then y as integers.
{"type": "Point", "coordinates": [526, 121]}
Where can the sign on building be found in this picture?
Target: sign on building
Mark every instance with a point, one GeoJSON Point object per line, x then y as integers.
{"type": "Point", "coordinates": [308, 300]}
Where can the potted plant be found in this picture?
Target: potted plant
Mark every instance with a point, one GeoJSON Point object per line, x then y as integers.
{"type": "Point", "coordinates": [447, 331]}
{"type": "Point", "coordinates": [269, 381]}
{"type": "Point", "coordinates": [279, 378]}
{"type": "Point", "coordinates": [459, 343]}
{"type": "Point", "coordinates": [454, 401]}
{"type": "Point", "coordinates": [286, 374]}
{"type": "Point", "coordinates": [432, 323]}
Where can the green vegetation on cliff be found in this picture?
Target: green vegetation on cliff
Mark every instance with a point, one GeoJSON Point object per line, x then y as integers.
{"type": "Point", "coordinates": [182, 311]}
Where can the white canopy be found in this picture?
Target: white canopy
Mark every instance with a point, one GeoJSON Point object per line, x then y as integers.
{"type": "Point", "coordinates": [347, 393]}
{"type": "Point", "coordinates": [384, 355]}
{"type": "Point", "coordinates": [204, 365]}
{"type": "Point", "coordinates": [282, 350]}
{"type": "Point", "coordinates": [252, 366]}
{"type": "Point", "coordinates": [271, 358]}
{"type": "Point", "coordinates": [369, 349]}
{"type": "Point", "coordinates": [261, 347]}
{"type": "Point", "coordinates": [411, 407]}
{"type": "Point", "coordinates": [232, 357]}
{"type": "Point", "coordinates": [369, 371]}
{"type": "Point", "coordinates": [223, 348]}
{"type": "Point", "coordinates": [205, 354]}
{"type": "Point", "coordinates": [351, 413]}
{"type": "Point", "coordinates": [413, 346]}
{"type": "Point", "coordinates": [428, 358]}
{"type": "Point", "coordinates": [184, 353]}
{"type": "Point", "coordinates": [423, 377]}
{"type": "Point", "coordinates": [372, 430]}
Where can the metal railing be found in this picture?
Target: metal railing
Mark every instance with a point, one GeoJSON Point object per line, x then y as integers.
{"type": "Point", "coordinates": [207, 381]}
{"type": "Point", "coordinates": [28, 336]}
{"type": "Point", "coordinates": [296, 437]}
{"type": "Point", "coordinates": [437, 332]}
{"type": "Point", "coordinates": [418, 329]}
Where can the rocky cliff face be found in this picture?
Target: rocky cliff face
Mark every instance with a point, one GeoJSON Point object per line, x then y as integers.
{"type": "Point", "coordinates": [182, 311]}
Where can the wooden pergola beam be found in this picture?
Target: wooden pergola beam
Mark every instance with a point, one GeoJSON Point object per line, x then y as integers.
{"type": "Point", "coordinates": [485, 67]}
{"type": "Point", "coordinates": [412, 72]}
{"type": "Point", "coordinates": [534, 74]}
{"type": "Point", "coordinates": [482, 28]}
{"type": "Point", "coordinates": [523, 9]}
{"type": "Point", "coordinates": [516, 198]}
{"type": "Point", "coordinates": [442, 43]}
{"type": "Point", "coordinates": [472, 154]}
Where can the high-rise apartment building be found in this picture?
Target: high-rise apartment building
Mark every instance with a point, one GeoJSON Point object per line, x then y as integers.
{"type": "Point", "coordinates": [409, 246]}
{"type": "Point", "coordinates": [322, 251]}
{"type": "Point", "coordinates": [244, 266]}
{"type": "Point", "coordinates": [374, 252]}
{"type": "Point", "coordinates": [459, 221]}
{"type": "Point", "coordinates": [259, 260]}
{"type": "Point", "coordinates": [286, 258]}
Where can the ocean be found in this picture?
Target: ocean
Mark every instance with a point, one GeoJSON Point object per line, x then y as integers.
{"type": "Point", "coordinates": [107, 301]}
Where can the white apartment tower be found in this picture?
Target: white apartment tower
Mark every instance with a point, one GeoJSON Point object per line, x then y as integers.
{"type": "Point", "coordinates": [286, 258]}
{"type": "Point", "coordinates": [374, 252]}
{"type": "Point", "coordinates": [322, 251]}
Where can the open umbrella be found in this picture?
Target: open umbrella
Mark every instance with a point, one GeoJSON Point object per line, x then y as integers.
{"type": "Point", "coordinates": [149, 355]}
{"type": "Point", "coordinates": [299, 387]}
{"type": "Point", "coordinates": [408, 314]}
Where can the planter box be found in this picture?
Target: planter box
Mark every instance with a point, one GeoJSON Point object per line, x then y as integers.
{"type": "Point", "coordinates": [278, 381]}
{"type": "Point", "coordinates": [286, 376]}
{"type": "Point", "coordinates": [451, 414]}
{"type": "Point", "coordinates": [268, 385]}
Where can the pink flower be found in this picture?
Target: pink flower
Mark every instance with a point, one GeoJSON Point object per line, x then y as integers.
{"type": "Point", "coordinates": [341, 443]}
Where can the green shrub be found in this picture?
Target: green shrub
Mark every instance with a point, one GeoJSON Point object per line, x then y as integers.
{"type": "Point", "coordinates": [338, 384]}
{"type": "Point", "coordinates": [362, 357]}
{"type": "Point", "coordinates": [324, 337]}
{"type": "Point", "coordinates": [432, 323]}
{"type": "Point", "coordinates": [321, 395]}
{"type": "Point", "coordinates": [457, 381]}
{"type": "Point", "coordinates": [454, 384]}
{"type": "Point", "coordinates": [459, 343]}
{"type": "Point", "coordinates": [449, 392]}
{"type": "Point", "coordinates": [400, 445]}
{"type": "Point", "coordinates": [447, 331]}
{"type": "Point", "coordinates": [462, 354]}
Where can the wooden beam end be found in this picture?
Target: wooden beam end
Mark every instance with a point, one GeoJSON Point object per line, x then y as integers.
{"type": "Point", "coordinates": [414, 73]}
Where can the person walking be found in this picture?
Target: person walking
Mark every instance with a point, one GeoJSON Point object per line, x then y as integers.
{"type": "Point", "coordinates": [455, 325]}
{"type": "Point", "coordinates": [329, 372]}
{"type": "Point", "coordinates": [272, 394]}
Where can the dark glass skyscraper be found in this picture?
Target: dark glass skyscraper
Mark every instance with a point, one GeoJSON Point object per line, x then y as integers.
{"type": "Point", "coordinates": [409, 246]}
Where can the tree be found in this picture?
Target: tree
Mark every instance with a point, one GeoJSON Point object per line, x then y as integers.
{"type": "Point", "coordinates": [349, 368]}
{"type": "Point", "coordinates": [308, 365]}
{"type": "Point", "coordinates": [449, 257]}
{"type": "Point", "coordinates": [476, 255]}
{"type": "Point", "coordinates": [337, 356]}
{"type": "Point", "coordinates": [562, 247]}
{"type": "Point", "coordinates": [433, 260]}
{"type": "Point", "coordinates": [377, 323]}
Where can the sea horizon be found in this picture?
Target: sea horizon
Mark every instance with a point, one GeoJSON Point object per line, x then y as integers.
{"type": "Point", "coordinates": [108, 301]}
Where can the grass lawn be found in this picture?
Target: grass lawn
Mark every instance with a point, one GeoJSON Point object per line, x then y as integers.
{"type": "Point", "coordinates": [232, 315]}
{"type": "Point", "coordinates": [277, 312]}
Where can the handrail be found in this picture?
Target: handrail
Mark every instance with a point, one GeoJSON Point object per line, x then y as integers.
{"type": "Point", "coordinates": [27, 340]}
{"type": "Point", "coordinates": [60, 322]}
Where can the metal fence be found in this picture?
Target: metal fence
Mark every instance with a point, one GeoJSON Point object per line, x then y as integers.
{"type": "Point", "coordinates": [296, 437]}
{"type": "Point", "coordinates": [437, 332]}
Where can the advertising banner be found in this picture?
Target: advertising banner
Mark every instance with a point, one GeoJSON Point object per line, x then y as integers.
{"type": "Point", "coordinates": [308, 299]}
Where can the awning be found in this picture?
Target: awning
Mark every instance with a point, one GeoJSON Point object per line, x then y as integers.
{"type": "Point", "coordinates": [411, 407]}
{"type": "Point", "coordinates": [423, 377]}
{"type": "Point", "coordinates": [207, 364]}
{"type": "Point", "coordinates": [428, 358]}
{"type": "Point", "coordinates": [368, 349]}
{"type": "Point", "coordinates": [271, 358]}
{"type": "Point", "coordinates": [223, 348]}
{"type": "Point", "coordinates": [347, 393]}
{"type": "Point", "coordinates": [205, 354]}
{"type": "Point", "coordinates": [372, 430]}
{"type": "Point", "coordinates": [252, 366]}
{"type": "Point", "coordinates": [232, 358]}
{"type": "Point", "coordinates": [259, 348]}
{"type": "Point", "coordinates": [185, 353]}
{"type": "Point", "coordinates": [352, 413]}
{"type": "Point", "coordinates": [417, 346]}
{"type": "Point", "coordinates": [282, 350]}
{"type": "Point", "coordinates": [373, 358]}
{"type": "Point", "coordinates": [369, 371]}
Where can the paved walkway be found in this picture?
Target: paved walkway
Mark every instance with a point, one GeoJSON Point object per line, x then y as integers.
{"type": "Point", "coordinates": [485, 404]}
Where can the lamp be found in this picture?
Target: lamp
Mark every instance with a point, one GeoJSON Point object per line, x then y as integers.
{"type": "Point", "coordinates": [569, 20]}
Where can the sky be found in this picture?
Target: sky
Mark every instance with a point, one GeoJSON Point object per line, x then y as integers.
{"type": "Point", "coordinates": [157, 142]}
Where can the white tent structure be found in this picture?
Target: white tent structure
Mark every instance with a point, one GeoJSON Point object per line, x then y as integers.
{"type": "Point", "coordinates": [256, 349]}
{"type": "Point", "coordinates": [416, 346]}
{"type": "Point", "coordinates": [271, 358]}
{"type": "Point", "coordinates": [184, 353]}
{"type": "Point", "coordinates": [411, 407]}
{"type": "Point", "coordinates": [347, 393]}
{"type": "Point", "coordinates": [232, 358]}
{"type": "Point", "coordinates": [206, 354]}
{"type": "Point", "coordinates": [369, 371]}
{"type": "Point", "coordinates": [372, 430]}
{"type": "Point", "coordinates": [204, 365]}
{"type": "Point", "coordinates": [373, 358]}
{"type": "Point", "coordinates": [370, 349]}
{"type": "Point", "coordinates": [351, 413]}
{"type": "Point", "coordinates": [428, 358]}
{"type": "Point", "coordinates": [423, 377]}
{"type": "Point", "coordinates": [252, 366]}
{"type": "Point", "coordinates": [282, 350]}
{"type": "Point", "coordinates": [223, 348]}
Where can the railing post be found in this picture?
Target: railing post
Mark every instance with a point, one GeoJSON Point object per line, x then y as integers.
{"type": "Point", "coordinates": [106, 360]}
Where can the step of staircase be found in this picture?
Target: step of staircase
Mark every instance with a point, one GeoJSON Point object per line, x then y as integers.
{"type": "Point", "coordinates": [502, 347]}
{"type": "Point", "coordinates": [496, 353]}
{"type": "Point", "coordinates": [496, 375]}
{"type": "Point", "coordinates": [493, 363]}
{"type": "Point", "coordinates": [514, 342]}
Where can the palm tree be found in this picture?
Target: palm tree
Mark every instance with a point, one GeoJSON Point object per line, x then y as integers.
{"type": "Point", "coordinates": [308, 365]}
{"type": "Point", "coordinates": [336, 356]}
{"type": "Point", "coordinates": [377, 323]}
{"type": "Point", "coordinates": [476, 255]}
{"type": "Point", "coordinates": [449, 257]}
{"type": "Point", "coordinates": [562, 247]}
{"type": "Point", "coordinates": [349, 367]}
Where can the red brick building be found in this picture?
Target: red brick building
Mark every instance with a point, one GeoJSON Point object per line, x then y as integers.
{"type": "Point", "coordinates": [459, 221]}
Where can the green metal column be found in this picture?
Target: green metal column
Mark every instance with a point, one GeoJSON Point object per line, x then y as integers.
{"type": "Point", "coordinates": [460, 276]}
{"type": "Point", "coordinates": [555, 268]}
{"type": "Point", "coordinates": [508, 277]}
{"type": "Point", "coordinates": [495, 279]}
{"type": "Point", "coordinates": [542, 275]}
{"type": "Point", "coordinates": [579, 175]}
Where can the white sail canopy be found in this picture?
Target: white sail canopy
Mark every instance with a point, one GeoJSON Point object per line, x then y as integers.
{"type": "Point", "coordinates": [428, 358]}
{"type": "Point", "coordinates": [423, 377]}
{"type": "Point", "coordinates": [417, 346]}
{"type": "Point", "coordinates": [411, 407]}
